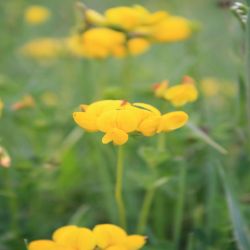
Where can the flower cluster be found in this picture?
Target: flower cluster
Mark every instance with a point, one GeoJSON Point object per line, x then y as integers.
{"type": "Point", "coordinates": [178, 95]}
{"type": "Point", "coordinates": [117, 118]}
{"type": "Point", "coordinates": [126, 30]}
{"type": "Point", "coordinates": [102, 237]}
{"type": "Point", "coordinates": [36, 14]}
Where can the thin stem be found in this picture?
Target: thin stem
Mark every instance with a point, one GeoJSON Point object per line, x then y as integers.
{"type": "Point", "coordinates": [118, 188]}
{"type": "Point", "coordinates": [12, 200]}
{"type": "Point", "coordinates": [180, 204]}
{"type": "Point", "coordinates": [143, 218]}
{"type": "Point", "coordinates": [247, 41]}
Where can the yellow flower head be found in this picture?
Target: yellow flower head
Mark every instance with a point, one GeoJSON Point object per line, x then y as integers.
{"type": "Point", "coordinates": [43, 48]}
{"type": "Point", "coordinates": [67, 238]}
{"type": "Point", "coordinates": [118, 118]}
{"type": "Point", "coordinates": [183, 93]}
{"type": "Point", "coordinates": [105, 237]}
{"type": "Point", "coordinates": [172, 29]}
{"type": "Point", "coordinates": [36, 14]}
{"type": "Point", "coordinates": [160, 88]}
{"type": "Point", "coordinates": [94, 17]}
{"type": "Point", "coordinates": [1, 107]}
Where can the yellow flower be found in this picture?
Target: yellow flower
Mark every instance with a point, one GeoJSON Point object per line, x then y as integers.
{"type": "Point", "coordinates": [172, 29]}
{"type": "Point", "coordinates": [117, 119]}
{"type": "Point", "coordinates": [112, 237]}
{"type": "Point", "coordinates": [183, 93]}
{"type": "Point", "coordinates": [210, 86]}
{"type": "Point", "coordinates": [103, 237]}
{"type": "Point", "coordinates": [43, 48]}
{"type": "Point", "coordinates": [36, 14]}
{"type": "Point", "coordinates": [160, 88]}
{"type": "Point", "coordinates": [26, 102]}
{"type": "Point", "coordinates": [1, 107]}
{"type": "Point", "coordinates": [67, 238]}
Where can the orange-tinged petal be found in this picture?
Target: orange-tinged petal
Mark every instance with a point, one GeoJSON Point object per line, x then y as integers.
{"type": "Point", "coordinates": [107, 138]}
{"type": "Point", "coordinates": [172, 121]}
{"type": "Point", "coordinates": [85, 120]}
{"type": "Point", "coordinates": [135, 242]}
{"type": "Point", "coordinates": [107, 235]}
{"type": "Point", "coordinates": [44, 245]}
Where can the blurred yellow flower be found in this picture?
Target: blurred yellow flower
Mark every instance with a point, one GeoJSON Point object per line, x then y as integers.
{"type": "Point", "coordinates": [5, 160]}
{"type": "Point", "coordinates": [210, 86]}
{"type": "Point", "coordinates": [26, 102]}
{"type": "Point", "coordinates": [1, 107]}
{"type": "Point", "coordinates": [118, 118]}
{"type": "Point", "coordinates": [103, 237]}
{"type": "Point", "coordinates": [43, 48]}
{"type": "Point", "coordinates": [94, 17]}
{"type": "Point", "coordinates": [171, 29]}
{"type": "Point", "coordinates": [183, 93]}
{"type": "Point", "coordinates": [36, 14]}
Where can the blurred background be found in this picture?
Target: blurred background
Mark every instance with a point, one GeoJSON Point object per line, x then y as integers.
{"type": "Point", "coordinates": [60, 175]}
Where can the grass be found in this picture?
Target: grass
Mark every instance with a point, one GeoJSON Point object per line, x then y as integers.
{"type": "Point", "coordinates": [61, 175]}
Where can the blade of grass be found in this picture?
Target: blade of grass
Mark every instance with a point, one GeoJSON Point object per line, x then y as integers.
{"type": "Point", "coordinates": [240, 229]}
{"type": "Point", "coordinates": [206, 138]}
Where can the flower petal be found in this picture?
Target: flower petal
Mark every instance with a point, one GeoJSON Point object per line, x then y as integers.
{"type": "Point", "coordinates": [107, 235]}
{"type": "Point", "coordinates": [44, 245]}
{"type": "Point", "coordinates": [172, 121]}
{"type": "Point", "coordinates": [135, 242]}
{"type": "Point", "coordinates": [85, 120]}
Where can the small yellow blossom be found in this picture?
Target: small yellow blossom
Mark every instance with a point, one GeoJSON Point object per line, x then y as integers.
{"type": "Point", "coordinates": [172, 29]}
{"type": "Point", "coordinates": [103, 237]}
{"type": "Point", "coordinates": [1, 107]}
{"type": "Point", "coordinates": [43, 48]}
{"type": "Point", "coordinates": [160, 88]}
{"type": "Point", "coordinates": [5, 160]}
{"type": "Point", "coordinates": [210, 86]}
{"type": "Point", "coordinates": [36, 14]}
{"type": "Point", "coordinates": [118, 118]}
{"type": "Point", "coordinates": [183, 93]}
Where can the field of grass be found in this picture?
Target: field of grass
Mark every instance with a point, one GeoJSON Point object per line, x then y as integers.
{"type": "Point", "coordinates": [197, 178]}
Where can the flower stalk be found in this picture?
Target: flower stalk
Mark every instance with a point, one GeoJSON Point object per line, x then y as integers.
{"type": "Point", "coordinates": [118, 187]}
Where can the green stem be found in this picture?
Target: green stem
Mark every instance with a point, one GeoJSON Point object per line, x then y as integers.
{"type": "Point", "coordinates": [180, 205]}
{"type": "Point", "coordinates": [247, 41]}
{"type": "Point", "coordinates": [118, 188]}
{"type": "Point", "coordinates": [161, 142]}
{"type": "Point", "coordinates": [127, 66]}
{"type": "Point", "coordinates": [143, 218]}
{"type": "Point", "coordinates": [12, 200]}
